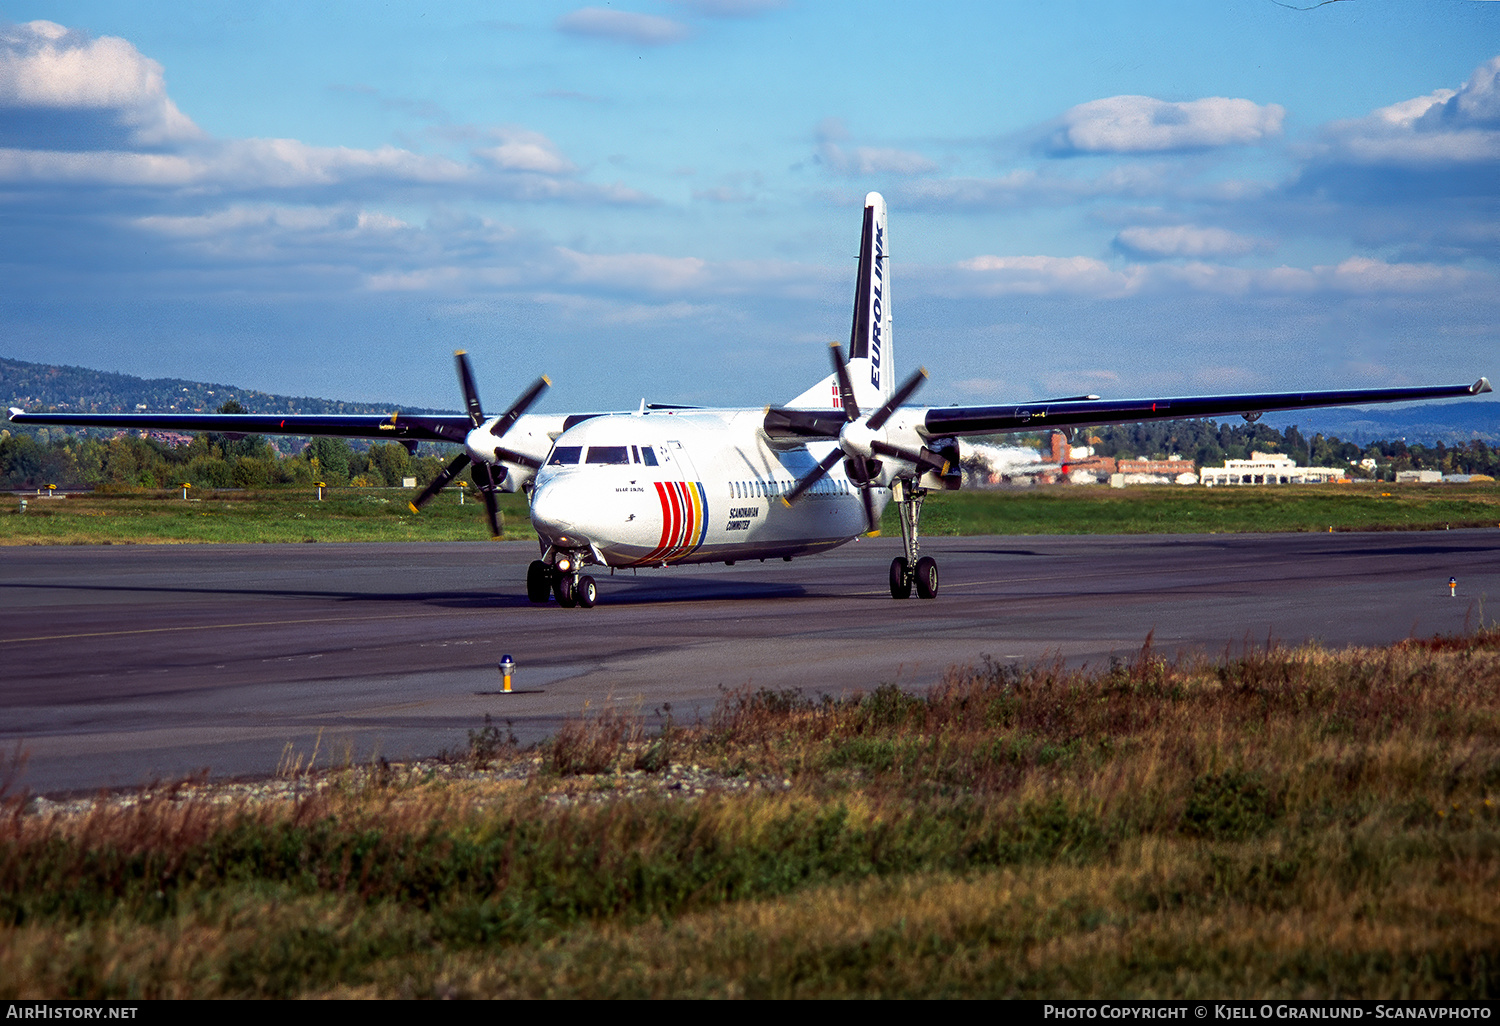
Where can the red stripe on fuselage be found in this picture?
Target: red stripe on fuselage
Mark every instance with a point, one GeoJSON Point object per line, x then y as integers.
{"type": "Point", "coordinates": [676, 496]}
{"type": "Point", "coordinates": [680, 521]}
{"type": "Point", "coordinates": [666, 521]}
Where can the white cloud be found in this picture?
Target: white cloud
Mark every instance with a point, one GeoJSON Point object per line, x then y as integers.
{"type": "Point", "coordinates": [1045, 275]}
{"type": "Point", "coordinates": [1086, 277]}
{"type": "Point", "coordinates": [78, 112]}
{"type": "Point", "coordinates": [520, 150]}
{"type": "Point", "coordinates": [635, 270]}
{"type": "Point", "coordinates": [1142, 124]}
{"type": "Point", "coordinates": [1453, 127]}
{"type": "Point", "coordinates": [242, 164]}
{"type": "Point", "coordinates": [622, 26]}
{"type": "Point", "coordinates": [1477, 101]}
{"type": "Point", "coordinates": [1053, 185]}
{"type": "Point", "coordinates": [1362, 274]}
{"type": "Point", "coordinates": [1184, 241]}
{"type": "Point", "coordinates": [46, 67]}
{"type": "Point", "coordinates": [256, 165]}
{"type": "Point", "coordinates": [865, 160]}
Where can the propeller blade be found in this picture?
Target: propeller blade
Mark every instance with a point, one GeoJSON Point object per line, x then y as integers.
{"type": "Point", "coordinates": [813, 476]}
{"type": "Point", "coordinates": [520, 406]}
{"type": "Point", "coordinates": [520, 459]}
{"type": "Point", "coordinates": [484, 480]}
{"type": "Point", "coordinates": [471, 393]}
{"type": "Point", "coordinates": [440, 482]}
{"type": "Point", "coordinates": [924, 461]}
{"type": "Point", "coordinates": [846, 387]}
{"type": "Point", "coordinates": [910, 385]}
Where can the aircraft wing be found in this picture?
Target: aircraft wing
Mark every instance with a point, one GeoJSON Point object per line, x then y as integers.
{"type": "Point", "coordinates": [395, 427]}
{"type": "Point", "coordinates": [1059, 413]}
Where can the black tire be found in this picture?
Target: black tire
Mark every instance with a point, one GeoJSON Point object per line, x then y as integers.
{"type": "Point", "coordinates": [900, 579]}
{"type": "Point", "coordinates": [538, 581]}
{"type": "Point", "coordinates": [563, 589]}
{"type": "Point", "coordinates": [927, 577]}
{"type": "Point", "coordinates": [588, 592]}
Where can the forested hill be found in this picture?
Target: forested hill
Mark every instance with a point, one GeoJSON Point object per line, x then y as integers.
{"type": "Point", "coordinates": [1454, 423]}
{"type": "Point", "coordinates": [38, 387]}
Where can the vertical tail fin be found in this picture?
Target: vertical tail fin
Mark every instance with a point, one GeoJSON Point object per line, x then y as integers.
{"type": "Point", "coordinates": [872, 371]}
{"type": "Point", "coordinates": [870, 334]}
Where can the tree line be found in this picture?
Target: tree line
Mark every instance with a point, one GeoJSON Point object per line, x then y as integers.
{"type": "Point", "coordinates": [1209, 443]}
{"type": "Point", "coordinates": [127, 461]}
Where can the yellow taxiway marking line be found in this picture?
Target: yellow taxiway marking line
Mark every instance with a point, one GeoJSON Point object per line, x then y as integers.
{"type": "Point", "coordinates": [225, 626]}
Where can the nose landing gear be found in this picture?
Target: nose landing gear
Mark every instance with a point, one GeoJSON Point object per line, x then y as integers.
{"type": "Point", "coordinates": [911, 568]}
{"type": "Point", "coordinates": [562, 579]}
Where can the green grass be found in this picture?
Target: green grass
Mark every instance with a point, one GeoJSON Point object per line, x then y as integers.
{"type": "Point", "coordinates": [278, 515]}
{"type": "Point", "coordinates": [1164, 509]}
{"type": "Point", "coordinates": [1284, 824]}
{"type": "Point", "coordinates": [381, 514]}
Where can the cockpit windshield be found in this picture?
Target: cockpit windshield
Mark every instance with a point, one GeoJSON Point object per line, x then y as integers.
{"type": "Point", "coordinates": [609, 455]}
{"type": "Point", "coordinates": [602, 455]}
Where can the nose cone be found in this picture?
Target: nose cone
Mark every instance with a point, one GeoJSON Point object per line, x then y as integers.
{"type": "Point", "coordinates": [557, 507]}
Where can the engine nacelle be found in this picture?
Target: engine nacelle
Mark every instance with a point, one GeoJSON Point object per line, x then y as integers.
{"type": "Point", "coordinates": [953, 478]}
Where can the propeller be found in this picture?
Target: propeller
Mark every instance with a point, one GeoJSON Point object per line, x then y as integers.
{"type": "Point", "coordinates": [858, 435]}
{"type": "Point", "coordinates": [487, 477]}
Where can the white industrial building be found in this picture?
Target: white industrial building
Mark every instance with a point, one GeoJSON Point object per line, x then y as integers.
{"type": "Point", "coordinates": [1264, 468]}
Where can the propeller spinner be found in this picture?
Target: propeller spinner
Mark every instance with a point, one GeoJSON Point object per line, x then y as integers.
{"type": "Point", "coordinates": [862, 439]}
{"type": "Point", "coordinates": [482, 445]}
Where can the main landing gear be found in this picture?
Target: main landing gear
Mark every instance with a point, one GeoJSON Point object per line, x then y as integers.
{"type": "Point", "coordinates": [911, 569]}
{"type": "Point", "coordinates": [563, 578]}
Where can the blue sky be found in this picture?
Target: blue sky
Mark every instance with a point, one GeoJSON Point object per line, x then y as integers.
{"type": "Point", "coordinates": [661, 199]}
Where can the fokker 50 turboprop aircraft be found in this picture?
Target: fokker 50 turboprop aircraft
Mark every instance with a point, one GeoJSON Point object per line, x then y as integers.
{"type": "Point", "coordinates": [664, 485]}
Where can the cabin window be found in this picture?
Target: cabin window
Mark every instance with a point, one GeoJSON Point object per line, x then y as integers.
{"type": "Point", "coordinates": [609, 455]}
{"type": "Point", "coordinates": [648, 456]}
{"type": "Point", "coordinates": [565, 455]}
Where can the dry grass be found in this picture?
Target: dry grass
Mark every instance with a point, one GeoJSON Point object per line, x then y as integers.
{"type": "Point", "coordinates": [1286, 823]}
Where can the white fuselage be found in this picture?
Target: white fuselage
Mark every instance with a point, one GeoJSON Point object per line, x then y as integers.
{"type": "Point", "coordinates": [688, 486]}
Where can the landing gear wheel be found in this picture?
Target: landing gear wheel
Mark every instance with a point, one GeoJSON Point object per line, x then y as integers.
{"type": "Point", "coordinates": [567, 597]}
{"type": "Point", "coordinates": [538, 581]}
{"type": "Point", "coordinates": [587, 592]}
{"type": "Point", "coordinates": [927, 577]}
{"type": "Point", "coordinates": [900, 578]}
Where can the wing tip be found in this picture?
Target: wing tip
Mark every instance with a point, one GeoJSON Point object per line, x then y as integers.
{"type": "Point", "coordinates": [1478, 388]}
{"type": "Point", "coordinates": [413, 507]}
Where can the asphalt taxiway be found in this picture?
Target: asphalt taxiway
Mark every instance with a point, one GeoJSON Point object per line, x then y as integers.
{"type": "Point", "coordinates": [127, 663]}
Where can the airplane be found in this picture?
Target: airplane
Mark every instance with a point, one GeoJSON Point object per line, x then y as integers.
{"type": "Point", "coordinates": [668, 485]}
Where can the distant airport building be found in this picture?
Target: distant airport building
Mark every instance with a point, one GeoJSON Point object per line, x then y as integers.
{"type": "Point", "coordinates": [1419, 476]}
{"type": "Point", "coordinates": [1267, 468]}
{"type": "Point", "coordinates": [1172, 470]}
